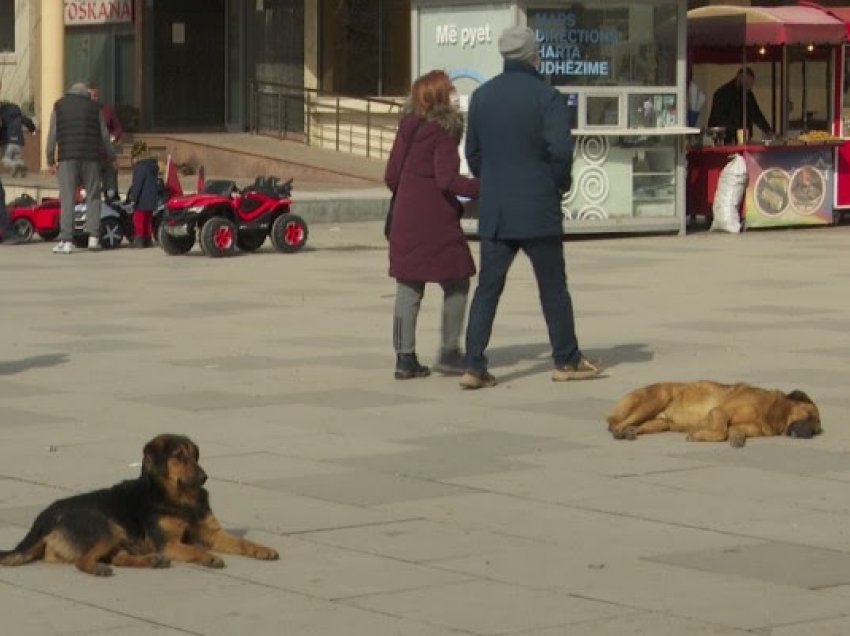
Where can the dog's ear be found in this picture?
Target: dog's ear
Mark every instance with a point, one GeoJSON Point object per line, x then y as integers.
{"type": "Point", "coordinates": [799, 396]}
{"type": "Point", "coordinates": [152, 458]}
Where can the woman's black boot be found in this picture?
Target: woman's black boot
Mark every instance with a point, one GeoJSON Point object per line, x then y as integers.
{"type": "Point", "coordinates": [407, 366]}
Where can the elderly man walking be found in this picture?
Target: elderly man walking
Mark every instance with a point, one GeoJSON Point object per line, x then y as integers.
{"type": "Point", "coordinates": [77, 126]}
{"type": "Point", "coordinates": [518, 143]}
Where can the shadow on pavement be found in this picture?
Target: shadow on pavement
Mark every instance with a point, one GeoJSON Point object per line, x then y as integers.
{"type": "Point", "coordinates": [11, 367]}
{"type": "Point", "coordinates": [619, 354]}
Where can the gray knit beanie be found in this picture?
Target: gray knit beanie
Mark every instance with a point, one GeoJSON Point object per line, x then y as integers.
{"type": "Point", "coordinates": [518, 43]}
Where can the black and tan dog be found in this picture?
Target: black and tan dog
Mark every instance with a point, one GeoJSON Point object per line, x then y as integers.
{"type": "Point", "coordinates": [164, 514]}
{"type": "Point", "coordinates": [713, 412]}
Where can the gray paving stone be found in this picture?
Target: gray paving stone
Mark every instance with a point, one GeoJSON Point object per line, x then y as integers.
{"type": "Point", "coordinates": [210, 400]}
{"type": "Point", "coordinates": [232, 363]}
{"type": "Point", "coordinates": [21, 417]}
{"type": "Point", "coordinates": [417, 540]}
{"type": "Point", "coordinates": [347, 399]}
{"type": "Point", "coordinates": [32, 613]}
{"type": "Point", "coordinates": [640, 624]}
{"type": "Point", "coordinates": [323, 571]}
{"type": "Point", "coordinates": [417, 508]}
{"type": "Point", "coordinates": [781, 563]}
{"type": "Point", "coordinates": [363, 488]}
{"type": "Point", "coordinates": [19, 390]}
{"type": "Point", "coordinates": [485, 607]}
{"type": "Point", "coordinates": [829, 627]}
{"type": "Point", "coordinates": [780, 456]}
{"type": "Point", "coordinates": [98, 345]}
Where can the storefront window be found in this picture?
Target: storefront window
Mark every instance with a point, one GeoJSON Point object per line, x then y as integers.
{"type": "Point", "coordinates": [809, 81]}
{"type": "Point", "coordinates": [652, 111]}
{"type": "Point", "coordinates": [103, 55]}
{"type": "Point", "coordinates": [603, 110]}
{"type": "Point", "coordinates": [618, 45]}
{"type": "Point", "coordinates": [7, 26]}
{"type": "Point", "coordinates": [365, 47]}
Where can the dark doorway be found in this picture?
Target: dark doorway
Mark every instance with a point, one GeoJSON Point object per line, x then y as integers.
{"type": "Point", "coordinates": [189, 61]}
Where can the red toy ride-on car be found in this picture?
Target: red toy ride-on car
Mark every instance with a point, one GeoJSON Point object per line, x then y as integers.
{"type": "Point", "coordinates": [223, 218]}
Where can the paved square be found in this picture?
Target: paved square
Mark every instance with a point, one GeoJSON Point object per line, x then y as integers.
{"type": "Point", "coordinates": [415, 508]}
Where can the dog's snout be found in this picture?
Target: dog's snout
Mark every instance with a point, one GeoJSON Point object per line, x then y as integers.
{"type": "Point", "coordinates": [201, 476]}
{"type": "Point", "coordinates": [801, 430]}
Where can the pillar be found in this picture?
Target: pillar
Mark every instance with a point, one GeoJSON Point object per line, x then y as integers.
{"type": "Point", "coordinates": [311, 44]}
{"type": "Point", "coordinates": [52, 54]}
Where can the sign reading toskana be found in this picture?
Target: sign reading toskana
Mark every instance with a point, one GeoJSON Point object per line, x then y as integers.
{"type": "Point", "coordinates": [467, 37]}
{"type": "Point", "coordinates": [98, 12]}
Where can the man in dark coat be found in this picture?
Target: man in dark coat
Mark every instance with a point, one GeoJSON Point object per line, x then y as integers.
{"type": "Point", "coordinates": [727, 107]}
{"type": "Point", "coordinates": [518, 143]}
{"type": "Point", "coordinates": [77, 126]}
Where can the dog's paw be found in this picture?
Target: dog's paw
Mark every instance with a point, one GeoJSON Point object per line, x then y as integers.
{"type": "Point", "coordinates": [213, 561]}
{"type": "Point", "coordinates": [101, 569]}
{"type": "Point", "coordinates": [160, 561]}
{"type": "Point", "coordinates": [617, 434]}
{"type": "Point", "coordinates": [630, 433]}
{"type": "Point", "coordinates": [737, 440]}
{"type": "Point", "coordinates": [264, 553]}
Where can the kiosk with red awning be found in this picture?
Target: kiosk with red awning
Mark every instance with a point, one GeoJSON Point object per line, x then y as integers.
{"type": "Point", "coordinates": [794, 51]}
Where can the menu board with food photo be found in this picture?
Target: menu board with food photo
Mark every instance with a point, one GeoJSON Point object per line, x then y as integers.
{"type": "Point", "coordinates": [789, 186]}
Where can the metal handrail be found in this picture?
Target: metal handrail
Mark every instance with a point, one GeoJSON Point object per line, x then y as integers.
{"type": "Point", "coordinates": [347, 123]}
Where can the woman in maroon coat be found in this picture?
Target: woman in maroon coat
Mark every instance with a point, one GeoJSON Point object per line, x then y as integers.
{"type": "Point", "coordinates": [427, 244]}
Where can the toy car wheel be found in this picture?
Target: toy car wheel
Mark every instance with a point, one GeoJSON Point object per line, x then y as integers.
{"type": "Point", "coordinates": [24, 229]}
{"type": "Point", "coordinates": [48, 235]}
{"type": "Point", "coordinates": [289, 233]}
{"type": "Point", "coordinates": [111, 233]}
{"type": "Point", "coordinates": [218, 237]}
{"type": "Point", "coordinates": [174, 245]}
{"type": "Point", "coordinates": [80, 240]}
{"type": "Point", "coordinates": [250, 241]}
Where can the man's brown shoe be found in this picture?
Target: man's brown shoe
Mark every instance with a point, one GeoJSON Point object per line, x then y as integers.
{"type": "Point", "coordinates": [583, 370]}
{"type": "Point", "coordinates": [477, 380]}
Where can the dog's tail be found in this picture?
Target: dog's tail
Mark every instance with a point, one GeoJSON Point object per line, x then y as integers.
{"type": "Point", "coordinates": [29, 549]}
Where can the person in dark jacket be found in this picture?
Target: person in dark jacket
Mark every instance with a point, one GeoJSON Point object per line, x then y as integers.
{"type": "Point", "coordinates": [108, 171]}
{"type": "Point", "coordinates": [727, 107]}
{"type": "Point", "coordinates": [426, 243]}
{"type": "Point", "coordinates": [12, 124]}
{"type": "Point", "coordinates": [144, 192]}
{"type": "Point", "coordinates": [518, 143]}
{"type": "Point", "coordinates": [77, 126]}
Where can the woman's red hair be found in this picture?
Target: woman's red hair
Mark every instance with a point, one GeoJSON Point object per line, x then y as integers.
{"type": "Point", "coordinates": [431, 91]}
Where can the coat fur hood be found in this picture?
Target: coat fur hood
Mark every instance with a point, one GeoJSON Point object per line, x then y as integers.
{"type": "Point", "coordinates": [449, 118]}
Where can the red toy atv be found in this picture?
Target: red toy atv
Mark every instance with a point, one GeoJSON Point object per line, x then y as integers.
{"type": "Point", "coordinates": [29, 217]}
{"type": "Point", "coordinates": [223, 218]}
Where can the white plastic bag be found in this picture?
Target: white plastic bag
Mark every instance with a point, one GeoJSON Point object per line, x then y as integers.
{"type": "Point", "coordinates": [727, 200]}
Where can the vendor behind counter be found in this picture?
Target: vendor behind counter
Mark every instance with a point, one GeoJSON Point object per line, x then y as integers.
{"type": "Point", "coordinates": [727, 108]}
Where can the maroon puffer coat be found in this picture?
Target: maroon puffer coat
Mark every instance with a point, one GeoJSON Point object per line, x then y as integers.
{"type": "Point", "coordinates": [426, 242]}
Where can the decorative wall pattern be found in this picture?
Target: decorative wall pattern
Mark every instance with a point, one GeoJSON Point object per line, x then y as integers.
{"type": "Point", "coordinates": [591, 184]}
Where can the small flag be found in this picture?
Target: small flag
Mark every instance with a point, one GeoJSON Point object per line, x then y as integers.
{"type": "Point", "coordinates": [172, 183]}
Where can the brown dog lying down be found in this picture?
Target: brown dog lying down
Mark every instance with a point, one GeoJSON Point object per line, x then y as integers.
{"type": "Point", "coordinates": [163, 514]}
{"type": "Point", "coordinates": [713, 412]}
